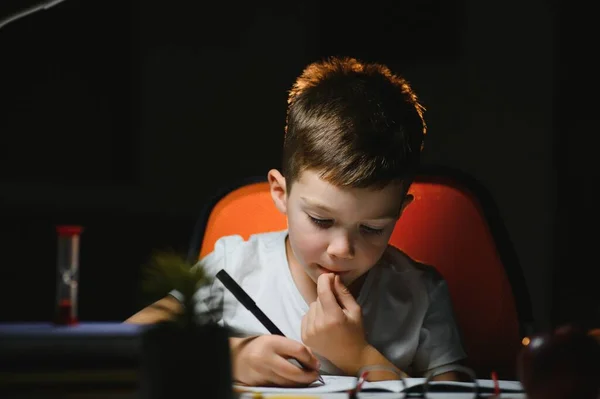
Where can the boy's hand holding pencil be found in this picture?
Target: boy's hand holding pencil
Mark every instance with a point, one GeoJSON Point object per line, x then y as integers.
{"type": "Point", "coordinates": [263, 361]}
{"type": "Point", "coordinates": [268, 359]}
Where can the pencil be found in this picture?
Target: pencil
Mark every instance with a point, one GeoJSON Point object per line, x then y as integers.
{"type": "Point", "coordinates": [249, 304]}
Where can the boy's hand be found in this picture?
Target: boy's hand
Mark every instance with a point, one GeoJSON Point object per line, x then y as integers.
{"type": "Point", "coordinates": [333, 324]}
{"type": "Point", "coordinates": [263, 361]}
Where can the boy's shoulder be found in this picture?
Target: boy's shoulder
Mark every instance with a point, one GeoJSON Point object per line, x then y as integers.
{"type": "Point", "coordinates": [398, 267]}
{"type": "Point", "coordinates": [242, 257]}
{"type": "Point", "coordinates": [262, 241]}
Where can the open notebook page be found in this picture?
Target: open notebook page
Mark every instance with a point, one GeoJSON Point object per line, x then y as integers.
{"type": "Point", "coordinates": [336, 383]}
{"type": "Point", "coordinates": [416, 384]}
{"type": "Point", "coordinates": [333, 383]}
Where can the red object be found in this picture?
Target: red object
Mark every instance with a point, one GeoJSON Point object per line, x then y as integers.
{"type": "Point", "coordinates": [64, 314]}
{"type": "Point", "coordinates": [496, 385]}
{"type": "Point", "coordinates": [561, 364]}
{"type": "Point", "coordinates": [69, 230]}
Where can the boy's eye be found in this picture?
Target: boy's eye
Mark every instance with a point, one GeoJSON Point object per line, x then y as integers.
{"type": "Point", "coordinates": [322, 223]}
{"type": "Point", "coordinates": [371, 230]}
{"type": "Point", "coordinates": [326, 223]}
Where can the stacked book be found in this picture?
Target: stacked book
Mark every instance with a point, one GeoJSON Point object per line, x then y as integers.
{"type": "Point", "coordinates": [46, 360]}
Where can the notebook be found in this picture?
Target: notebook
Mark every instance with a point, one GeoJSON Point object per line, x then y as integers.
{"type": "Point", "coordinates": [336, 383]}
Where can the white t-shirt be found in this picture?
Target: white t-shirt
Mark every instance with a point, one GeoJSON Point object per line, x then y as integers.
{"type": "Point", "coordinates": [407, 312]}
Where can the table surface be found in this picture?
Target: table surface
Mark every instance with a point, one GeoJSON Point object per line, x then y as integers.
{"type": "Point", "coordinates": [33, 330]}
{"type": "Point", "coordinates": [375, 395]}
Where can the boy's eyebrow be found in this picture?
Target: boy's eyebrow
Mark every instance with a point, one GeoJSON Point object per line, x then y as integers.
{"type": "Point", "coordinates": [316, 204]}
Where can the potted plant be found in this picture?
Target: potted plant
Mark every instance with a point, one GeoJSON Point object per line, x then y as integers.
{"type": "Point", "coordinates": [187, 356]}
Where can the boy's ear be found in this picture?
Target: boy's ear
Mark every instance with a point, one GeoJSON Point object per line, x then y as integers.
{"type": "Point", "coordinates": [278, 190]}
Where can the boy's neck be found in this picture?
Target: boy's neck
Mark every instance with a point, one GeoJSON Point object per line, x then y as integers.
{"type": "Point", "coordinates": [304, 284]}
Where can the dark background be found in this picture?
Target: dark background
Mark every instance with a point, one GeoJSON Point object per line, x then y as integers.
{"type": "Point", "coordinates": [126, 116]}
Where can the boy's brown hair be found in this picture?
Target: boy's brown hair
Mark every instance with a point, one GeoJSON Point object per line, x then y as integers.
{"type": "Point", "coordinates": [355, 123]}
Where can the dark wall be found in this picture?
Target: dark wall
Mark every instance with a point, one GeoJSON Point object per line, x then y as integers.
{"type": "Point", "coordinates": [126, 116]}
{"type": "Point", "coordinates": [577, 296]}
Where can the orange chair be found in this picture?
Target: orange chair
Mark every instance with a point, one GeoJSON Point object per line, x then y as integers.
{"type": "Point", "coordinates": [452, 225]}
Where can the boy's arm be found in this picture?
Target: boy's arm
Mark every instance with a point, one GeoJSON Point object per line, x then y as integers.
{"type": "Point", "coordinates": [161, 310]}
{"type": "Point", "coordinates": [440, 343]}
{"type": "Point", "coordinates": [371, 356]}
{"type": "Point", "coordinates": [236, 345]}
{"type": "Point", "coordinates": [448, 376]}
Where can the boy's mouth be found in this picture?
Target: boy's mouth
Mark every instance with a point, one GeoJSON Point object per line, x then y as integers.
{"type": "Point", "coordinates": [325, 270]}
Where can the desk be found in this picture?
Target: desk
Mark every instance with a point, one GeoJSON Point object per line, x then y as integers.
{"type": "Point", "coordinates": [115, 345]}
{"type": "Point", "coordinates": [117, 395]}
{"type": "Point", "coordinates": [378, 395]}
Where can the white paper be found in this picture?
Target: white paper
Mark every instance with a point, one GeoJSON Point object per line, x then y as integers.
{"type": "Point", "coordinates": [333, 383]}
{"type": "Point", "coordinates": [337, 383]}
{"type": "Point", "coordinates": [398, 386]}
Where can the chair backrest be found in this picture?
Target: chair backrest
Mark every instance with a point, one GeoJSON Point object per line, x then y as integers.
{"type": "Point", "coordinates": [244, 209]}
{"type": "Point", "coordinates": [452, 225]}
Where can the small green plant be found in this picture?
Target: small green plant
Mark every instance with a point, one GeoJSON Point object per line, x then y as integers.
{"type": "Point", "coordinates": [169, 271]}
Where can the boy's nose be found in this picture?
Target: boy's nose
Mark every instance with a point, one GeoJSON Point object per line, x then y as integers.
{"type": "Point", "coordinates": [341, 246]}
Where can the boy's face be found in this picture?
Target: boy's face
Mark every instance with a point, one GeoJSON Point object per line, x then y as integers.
{"type": "Point", "coordinates": [339, 230]}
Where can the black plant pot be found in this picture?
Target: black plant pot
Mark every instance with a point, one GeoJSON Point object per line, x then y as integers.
{"type": "Point", "coordinates": [191, 362]}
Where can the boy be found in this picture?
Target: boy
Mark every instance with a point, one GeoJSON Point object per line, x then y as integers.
{"type": "Point", "coordinates": [343, 297]}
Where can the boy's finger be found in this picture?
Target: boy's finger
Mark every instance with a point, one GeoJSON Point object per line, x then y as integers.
{"type": "Point", "coordinates": [293, 374]}
{"type": "Point", "coordinates": [311, 316]}
{"type": "Point", "coordinates": [344, 296]}
{"type": "Point", "coordinates": [307, 359]}
{"type": "Point", "coordinates": [304, 326]}
{"type": "Point", "coordinates": [308, 322]}
{"type": "Point", "coordinates": [319, 312]}
{"type": "Point", "coordinates": [291, 349]}
{"type": "Point", "coordinates": [326, 296]}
